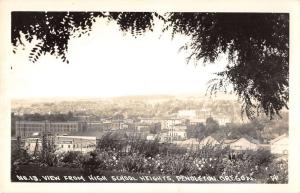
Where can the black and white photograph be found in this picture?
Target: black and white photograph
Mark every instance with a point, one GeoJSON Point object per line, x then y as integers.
{"type": "Point", "coordinates": [161, 97]}
{"type": "Point", "coordinates": [175, 97]}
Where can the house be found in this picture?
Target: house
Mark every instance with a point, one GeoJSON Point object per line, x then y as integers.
{"type": "Point", "coordinates": [142, 127]}
{"type": "Point", "coordinates": [170, 123]}
{"type": "Point", "coordinates": [222, 120]}
{"type": "Point", "coordinates": [177, 135]}
{"type": "Point", "coordinates": [150, 120]}
{"type": "Point", "coordinates": [33, 144]}
{"type": "Point", "coordinates": [264, 146]}
{"type": "Point", "coordinates": [241, 144]}
{"type": "Point", "coordinates": [164, 137]}
{"type": "Point", "coordinates": [124, 126]}
{"type": "Point", "coordinates": [209, 140]}
{"type": "Point", "coordinates": [197, 121]}
{"type": "Point", "coordinates": [279, 145]}
{"type": "Point", "coordinates": [172, 136]}
{"type": "Point", "coordinates": [191, 143]}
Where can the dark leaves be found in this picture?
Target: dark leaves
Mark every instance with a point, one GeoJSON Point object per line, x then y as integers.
{"type": "Point", "coordinates": [53, 29]}
{"type": "Point", "coordinates": [257, 46]}
{"type": "Point", "coordinates": [134, 22]}
{"type": "Point", "coordinates": [36, 52]}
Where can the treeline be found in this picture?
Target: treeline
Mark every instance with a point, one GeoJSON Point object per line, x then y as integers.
{"type": "Point", "coordinates": [43, 117]}
{"type": "Point", "coordinates": [136, 107]}
{"type": "Point", "coordinates": [261, 129]}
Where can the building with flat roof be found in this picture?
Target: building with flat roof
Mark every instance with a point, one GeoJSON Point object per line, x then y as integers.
{"type": "Point", "coordinates": [62, 143]}
{"type": "Point", "coordinates": [82, 144]}
{"type": "Point", "coordinates": [28, 128]}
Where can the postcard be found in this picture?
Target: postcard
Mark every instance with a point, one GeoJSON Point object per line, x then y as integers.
{"type": "Point", "coordinates": [144, 97]}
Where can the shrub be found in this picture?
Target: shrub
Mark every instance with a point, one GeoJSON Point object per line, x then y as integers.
{"type": "Point", "coordinates": [70, 157]}
{"type": "Point", "coordinates": [153, 158]}
{"type": "Point", "coordinates": [132, 163]}
{"type": "Point", "coordinates": [91, 164]}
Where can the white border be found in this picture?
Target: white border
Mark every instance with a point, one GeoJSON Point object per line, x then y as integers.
{"type": "Point", "coordinates": [6, 6]}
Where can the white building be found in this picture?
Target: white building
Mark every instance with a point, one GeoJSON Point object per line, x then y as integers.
{"type": "Point", "coordinates": [241, 144]}
{"type": "Point", "coordinates": [169, 123]}
{"type": "Point", "coordinates": [83, 144]}
{"type": "Point", "coordinates": [150, 120]}
{"type": "Point", "coordinates": [177, 135]}
{"type": "Point", "coordinates": [33, 144]}
{"type": "Point", "coordinates": [187, 114]}
{"type": "Point", "coordinates": [142, 127]}
{"type": "Point", "coordinates": [166, 123]}
{"type": "Point", "coordinates": [279, 145]}
{"type": "Point", "coordinates": [164, 137]}
{"type": "Point", "coordinates": [209, 140]}
{"type": "Point", "coordinates": [171, 136]}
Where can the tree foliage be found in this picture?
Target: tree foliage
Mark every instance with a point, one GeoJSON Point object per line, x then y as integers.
{"type": "Point", "coordinates": [211, 126]}
{"type": "Point", "coordinates": [257, 46]}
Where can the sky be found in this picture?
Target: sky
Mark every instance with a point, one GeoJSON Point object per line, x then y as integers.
{"type": "Point", "coordinates": [110, 63]}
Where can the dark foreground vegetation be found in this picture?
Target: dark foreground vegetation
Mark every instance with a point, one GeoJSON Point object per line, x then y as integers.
{"type": "Point", "coordinates": [139, 157]}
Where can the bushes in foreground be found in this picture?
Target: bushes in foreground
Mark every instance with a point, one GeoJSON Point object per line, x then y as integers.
{"type": "Point", "coordinates": [153, 158]}
{"type": "Point", "coordinates": [248, 163]}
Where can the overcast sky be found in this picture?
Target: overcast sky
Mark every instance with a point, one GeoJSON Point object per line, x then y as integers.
{"type": "Point", "coordinates": [109, 63]}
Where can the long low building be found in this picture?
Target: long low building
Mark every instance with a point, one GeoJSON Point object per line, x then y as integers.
{"type": "Point", "coordinates": [28, 128]}
{"type": "Point", "coordinates": [82, 144]}
{"type": "Point", "coordinates": [235, 144]}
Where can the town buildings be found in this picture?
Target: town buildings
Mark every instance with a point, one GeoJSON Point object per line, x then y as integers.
{"type": "Point", "coordinates": [172, 129]}
{"type": "Point", "coordinates": [200, 116]}
{"type": "Point", "coordinates": [28, 128]}
{"type": "Point", "coordinates": [82, 144]}
{"type": "Point", "coordinates": [177, 135]}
